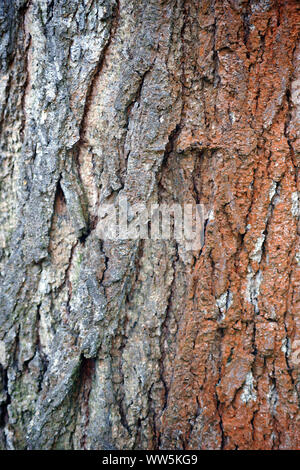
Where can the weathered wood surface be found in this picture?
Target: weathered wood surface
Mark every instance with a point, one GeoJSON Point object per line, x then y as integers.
{"type": "Point", "coordinates": [141, 344]}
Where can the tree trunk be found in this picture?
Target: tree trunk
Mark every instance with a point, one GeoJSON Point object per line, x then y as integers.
{"type": "Point", "coordinates": [144, 344]}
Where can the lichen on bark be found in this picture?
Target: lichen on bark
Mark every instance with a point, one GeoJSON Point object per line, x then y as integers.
{"type": "Point", "coordinates": [140, 344]}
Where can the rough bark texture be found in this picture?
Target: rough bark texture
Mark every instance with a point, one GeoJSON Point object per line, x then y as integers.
{"type": "Point", "coordinates": [141, 344]}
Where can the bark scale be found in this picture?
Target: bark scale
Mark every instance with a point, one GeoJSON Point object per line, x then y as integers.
{"type": "Point", "coordinates": [141, 344]}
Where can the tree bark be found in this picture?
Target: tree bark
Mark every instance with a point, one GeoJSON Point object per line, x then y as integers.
{"type": "Point", "coordinates": [141, 344]}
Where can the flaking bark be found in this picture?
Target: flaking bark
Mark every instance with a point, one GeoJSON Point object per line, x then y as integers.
{"type": "Point", "coordinates": [142, 344]}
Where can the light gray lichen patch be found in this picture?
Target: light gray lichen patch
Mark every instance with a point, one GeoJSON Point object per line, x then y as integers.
{"type": "Point", "coordinates": [224, 302]}
{"type": "Point", "coordinates": [295, 204]}
{"type": "Point", "coordinates": [249, 392]}
{"type": "Point", "coordinates": [272, 190]}
{"type": "Point", "coordinates": [256, 253]}
{"type": "Point", "coordinates": [3, 360]}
